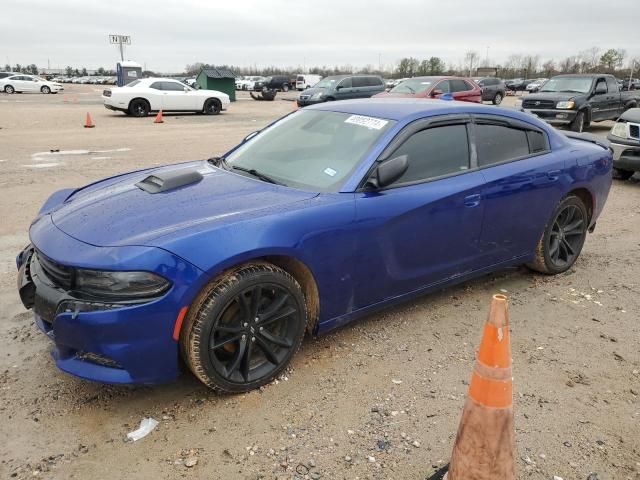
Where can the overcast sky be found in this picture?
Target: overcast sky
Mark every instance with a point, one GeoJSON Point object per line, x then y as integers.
{"type": "Point", "coordinates": [168, 34]}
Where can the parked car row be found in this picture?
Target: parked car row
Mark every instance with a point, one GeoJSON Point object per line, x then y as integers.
{"type": "Point", "coordinates": [89, 79]}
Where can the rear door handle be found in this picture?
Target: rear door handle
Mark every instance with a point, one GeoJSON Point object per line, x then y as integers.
{"type": "Point", "coordinates": [472, 200]}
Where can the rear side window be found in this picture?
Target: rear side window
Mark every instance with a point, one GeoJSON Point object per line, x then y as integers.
{"type": "Point", "coordinates": [499, 143]}
{"type": "Point", "coordinates": [172, 86]}
{"type": "Point", "coordinates": [612, 85]}
{"type": "Point", "coordinates": [374, 81]}
{"type": "Point", "coordinates": [360, 82]}
{"type": "Point", "coordinates": [459, 86]}
{"type": "Point", "coordinates": [435, 152]}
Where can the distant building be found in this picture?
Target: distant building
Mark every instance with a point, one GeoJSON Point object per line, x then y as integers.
{"type": "Point", "coordinates": [487, 72]}
{"type": "Point", "coordinates": [221, 79]}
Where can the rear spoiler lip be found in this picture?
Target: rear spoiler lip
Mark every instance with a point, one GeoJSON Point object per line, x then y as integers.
{"type": "Point", "coordinates": [589, 137]}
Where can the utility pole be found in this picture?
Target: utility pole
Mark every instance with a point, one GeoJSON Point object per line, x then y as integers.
{"type": "Point", "coordinates": [380, 62]}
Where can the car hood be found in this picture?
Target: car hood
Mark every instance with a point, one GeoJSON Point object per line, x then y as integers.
{"type": "Point", "coordinates": [555, 96]}
{"type": "Point", "coordinates": [116, 212]}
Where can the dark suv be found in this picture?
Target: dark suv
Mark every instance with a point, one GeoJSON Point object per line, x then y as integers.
{"type": "Point", "coordinates": [274, 82]}
{"type": "Point", "coordinates": [492, 89]}
{"type": "Point", "coordinates": [342, 87]}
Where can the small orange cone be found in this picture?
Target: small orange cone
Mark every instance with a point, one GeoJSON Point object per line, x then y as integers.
{"type": "Point", "coordinates": [75, 99]}
{"type": "Point", "coordinates": [485, 444]}
{"type": "Point", "coordinates": [159, 118]}
{"type": "Point", "coordinates": [65, 99]}
{"type": "Point", "coordinates": [88, 123]}
{"type": "Point", "coordinates": [295, 105]}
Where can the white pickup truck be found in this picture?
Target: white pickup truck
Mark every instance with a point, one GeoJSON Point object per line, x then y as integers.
{"type": "Point", "coordinates": [143, 96]}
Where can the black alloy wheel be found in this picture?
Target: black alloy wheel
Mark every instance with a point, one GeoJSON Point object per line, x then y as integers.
{"type": "Point", "coordinates": [245, 328]}
{"type": "Point", "coordinates": [139, 108]}
{"type": "Point", "coordinates": [212, 107]}
{"type": "Point", "coordinates": [563, 238]}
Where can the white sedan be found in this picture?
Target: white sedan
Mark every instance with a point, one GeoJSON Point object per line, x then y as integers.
{"type": "Point", "coordinates": [140, 97]}
{"type": "Point", "coordinates": [23, 83]}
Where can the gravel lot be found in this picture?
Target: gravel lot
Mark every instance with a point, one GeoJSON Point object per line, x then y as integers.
{"type": "Point", "coordinates": [379, 399]}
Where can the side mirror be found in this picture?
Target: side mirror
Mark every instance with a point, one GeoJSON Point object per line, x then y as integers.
{"type": "Point", "coordinates": [435, 93]}
{"type": "Point", "coordinates": [601, 88]}
{"type": "Point", "coordinates": [250, 136]}
{"type": "Point", "coordinates": [389, 171]}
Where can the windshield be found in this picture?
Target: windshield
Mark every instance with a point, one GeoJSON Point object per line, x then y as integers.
{"type": "Point", "coordinates": [326, 148]}
{"type": "Point", "coordinates": [413, 85]}
{"type": "Point", "coordinates": [327, 82]}
{"type": "Point", "coordinates": [568, 84]}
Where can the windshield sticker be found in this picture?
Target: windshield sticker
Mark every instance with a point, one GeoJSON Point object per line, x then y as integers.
{"type": "Point", "coordinates": [330, 171]}
{"type": "Point", "coordinates": [369, 122]}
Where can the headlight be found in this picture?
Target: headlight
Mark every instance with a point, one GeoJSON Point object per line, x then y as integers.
{"type": "Point", "coordinates": [317, 96]}
{"type": "Point", "coordinates": [123, 285]}
{"type": "Point", "coordinates": [619, 130]}
{"type": "Point", "coordinates": [566, 105]}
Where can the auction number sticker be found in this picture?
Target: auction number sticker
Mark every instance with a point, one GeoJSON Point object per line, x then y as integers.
{"type": "Point", "coordinates": [369, 122]}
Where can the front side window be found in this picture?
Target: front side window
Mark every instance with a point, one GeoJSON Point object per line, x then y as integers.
{"type": "Point", "coordinates": [498, 143]}
{"type": "Point", "coordinates": [601, 83]}
{"type": "Point", "coordinates": [328, 146]}
{"type": "Point", "coordinates": [435, 152]}
{"type": "Point", "coordinates": [173, 86]}
{"type": "Point", "coordinates": [346, 83]}
{"type": "Point", "coordinates": [444, 86]}
{"type": "Point", "coordinates": [155, 85]}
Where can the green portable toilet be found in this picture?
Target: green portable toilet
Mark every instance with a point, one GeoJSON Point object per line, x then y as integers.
{"type": "Point", "coordinates": [221, 79]}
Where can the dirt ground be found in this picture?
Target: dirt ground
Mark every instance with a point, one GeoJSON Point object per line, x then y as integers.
{"type": "Point", "coordinates": [378, 399]}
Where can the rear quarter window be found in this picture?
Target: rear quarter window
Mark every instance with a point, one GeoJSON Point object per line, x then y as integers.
{"type": "Point", "coordinates": [359, 82]}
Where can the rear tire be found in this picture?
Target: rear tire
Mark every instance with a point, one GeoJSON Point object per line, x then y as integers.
{"type": "Point", "coordinates": [9, 89]}
{"type": "Point", "coordinates": [139, 108]}
{"type": "Point", "coordinates": [563, 237]}
{"type": "Point", "coordinates": [497, 100]}
{"type": "Point", "coordinates": [244, 327]}
{"type": "Point", "coordinates": [620, 174]}
{"type": "Point", "coordinates": [578, 123]}
{"type": "Point", "coordinates": [285, 87]}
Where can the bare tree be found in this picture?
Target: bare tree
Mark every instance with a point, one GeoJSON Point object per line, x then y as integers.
{"type": "Point", "coordinates": [471, 60]}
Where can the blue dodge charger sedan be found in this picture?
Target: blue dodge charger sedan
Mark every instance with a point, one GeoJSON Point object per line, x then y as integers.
{"type": "Point", "coordinates": [329, 213]}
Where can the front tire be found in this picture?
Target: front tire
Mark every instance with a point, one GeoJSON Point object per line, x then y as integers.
{"type": "Point", "coordinates": [578, 123]}
{"type": "Point", "coordinates": [9, 89]}
{"type": "Point", "coordinates": [244, 327]}
{"type": "Point", "coordinates": [620, 174]}
{"type": "Point", "coordinates": [212, 107]}
{"type": "Point", "coordinates": [46, 90]}
{"type": "Point", "coordinates": [497, 100]}
{"type": "Point", "coordinates": [563, 237]}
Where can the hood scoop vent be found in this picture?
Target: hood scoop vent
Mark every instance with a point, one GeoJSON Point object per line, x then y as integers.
{"type": "Point", "coordinates": [169, 180]}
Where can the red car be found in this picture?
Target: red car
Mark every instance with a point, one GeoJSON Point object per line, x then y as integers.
{"type": "Point", "coordinates": [463, 89]}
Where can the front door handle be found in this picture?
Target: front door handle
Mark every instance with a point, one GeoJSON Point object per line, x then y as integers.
{"type": "Point", "coordinates": [554, 175]}
{"type": "Point", "coordinates": [472, 200]}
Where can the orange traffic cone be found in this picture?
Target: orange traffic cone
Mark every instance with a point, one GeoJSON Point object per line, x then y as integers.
{"type": "Point", "coordinates": [295, 105]}
{"type": "Point", "coordinates": [65, 99]}
{"type": "Point", "coordinates": [159, 118]}
{"type": "Point", "coordinates": [485, 444]}
{"type": "Point", "coordinates": [88, 123]}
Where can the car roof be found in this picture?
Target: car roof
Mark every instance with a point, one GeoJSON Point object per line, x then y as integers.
{"type": "Point", "coordinates": [408, 109]}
